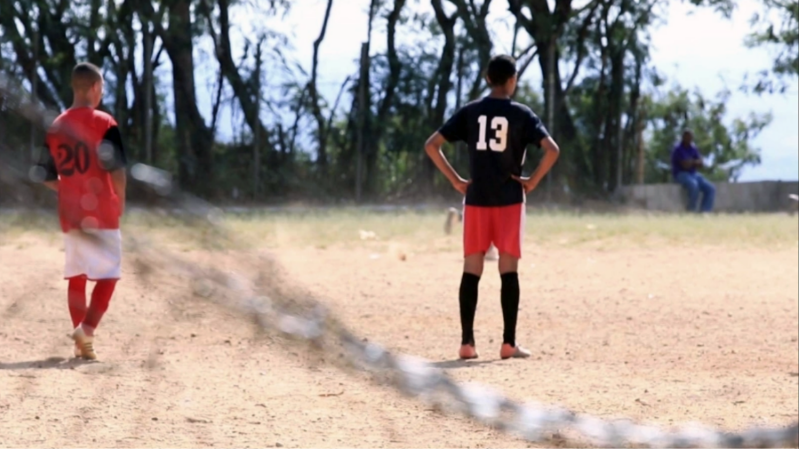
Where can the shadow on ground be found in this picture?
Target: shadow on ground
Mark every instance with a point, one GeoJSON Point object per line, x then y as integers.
{"type": "Point", "coordinates": [458, 363]}
{"type": "Point", "coordinates": [48, 363]}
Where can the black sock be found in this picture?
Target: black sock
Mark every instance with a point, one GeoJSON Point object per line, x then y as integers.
{"type": "Point", "coordinates": [468, 302]}
{"type": "Point", "coordinates": [510, 306]}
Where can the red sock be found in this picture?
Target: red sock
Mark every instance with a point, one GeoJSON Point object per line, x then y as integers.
{"type": "Point", "coordinates": [76, 299]}
{"type": "Point", "coordinates": [101, 296]}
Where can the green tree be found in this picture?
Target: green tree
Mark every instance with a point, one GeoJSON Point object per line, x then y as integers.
{"type": "Point", "coordinates": [592, 54]}
{"type": "Point", "coordinates": [783, 39]}
{"type": "Point", "coordinates": [726, 146]}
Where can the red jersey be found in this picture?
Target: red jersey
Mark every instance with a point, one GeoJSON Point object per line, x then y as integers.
{"type": "Point", "coordinates": [83, 148]}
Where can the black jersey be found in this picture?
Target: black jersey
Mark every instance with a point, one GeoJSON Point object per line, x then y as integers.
{"type": "Point", "coordinates": [497, 132]}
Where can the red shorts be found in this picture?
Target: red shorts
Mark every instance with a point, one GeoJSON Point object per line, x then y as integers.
{"type": "Point", "coordinates": [503, 226]}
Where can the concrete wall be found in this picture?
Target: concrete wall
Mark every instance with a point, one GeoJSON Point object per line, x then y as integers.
{"type": "Point", "coordinates": [761, 196]}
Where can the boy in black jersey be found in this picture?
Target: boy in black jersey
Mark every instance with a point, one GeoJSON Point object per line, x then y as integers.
{"type": "Point", "coordinates": [497, 131]}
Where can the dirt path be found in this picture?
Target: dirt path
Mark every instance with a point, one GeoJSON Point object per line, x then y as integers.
{"type": "Point", "coordinates": [667, 336]}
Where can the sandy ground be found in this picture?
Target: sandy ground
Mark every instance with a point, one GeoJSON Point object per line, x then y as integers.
{"type": "Point", "coordinates": [662, 335]}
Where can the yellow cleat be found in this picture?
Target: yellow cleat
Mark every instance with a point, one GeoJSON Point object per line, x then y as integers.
{"type": "Point", "coordinates": [84, 344]}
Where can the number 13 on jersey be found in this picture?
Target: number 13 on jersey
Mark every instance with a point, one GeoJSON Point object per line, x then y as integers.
{"type": "Point", "coordinates": [497, 143]}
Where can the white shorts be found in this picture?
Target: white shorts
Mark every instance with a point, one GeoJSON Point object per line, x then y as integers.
{"type": "Point", "coordinates": [96, 253]}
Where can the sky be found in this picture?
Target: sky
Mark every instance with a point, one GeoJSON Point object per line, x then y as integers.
{"type": "Point", "coordinates": [695, 47]}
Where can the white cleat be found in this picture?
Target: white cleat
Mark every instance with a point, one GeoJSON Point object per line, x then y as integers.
{"type": "Point", "coordinates": [513, 352]}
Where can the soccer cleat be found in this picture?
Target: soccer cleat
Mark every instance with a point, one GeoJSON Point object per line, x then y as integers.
{"type": "Point", "coordinates": [85, 344]}
{"type": "Point", "coordinates": [516, 352]}
{"type": "Point", "coordinates": [467, 352]}
{"type": "Point", "coordinates": [77, 351]}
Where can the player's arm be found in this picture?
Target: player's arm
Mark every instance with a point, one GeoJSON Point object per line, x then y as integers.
{"type": "Point", "coordinates": [45, 170]}
{"type": "Point", "coordinates": [452, 131]}
{"type": "Point", "coordinates": [551, 153]}
{"type": "Point", "coordinates": [538, 135]}
{"type": "Point", "coordinates": [114, 160]}
{"type": "Point", "coordinates": [433, 149]}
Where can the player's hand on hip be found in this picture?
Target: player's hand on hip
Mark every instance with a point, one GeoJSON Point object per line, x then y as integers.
{"type": "Point", "coordinates": [461, 185]}
{"type": "Point", "coordinates": [529, 184]}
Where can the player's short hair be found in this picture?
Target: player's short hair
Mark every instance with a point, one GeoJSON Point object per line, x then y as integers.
{"type": "Point", "coordinates": [85, 75]}
{"type": "Point", "coordinates": [501, 68]}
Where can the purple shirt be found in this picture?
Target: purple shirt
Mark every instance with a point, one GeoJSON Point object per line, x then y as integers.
{"type": "Point", "coordinates": [681, 153]}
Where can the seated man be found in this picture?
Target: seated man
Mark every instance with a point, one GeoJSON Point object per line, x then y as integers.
{"type": "Point", "coordinates": [685, 159]}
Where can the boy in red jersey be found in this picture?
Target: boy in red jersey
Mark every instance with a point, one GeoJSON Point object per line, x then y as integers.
{"type": "Point", "coordinates": [84, 161]}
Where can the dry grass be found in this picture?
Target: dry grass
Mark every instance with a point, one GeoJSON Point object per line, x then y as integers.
{"type": "Point", "coordinates": [424, 230]}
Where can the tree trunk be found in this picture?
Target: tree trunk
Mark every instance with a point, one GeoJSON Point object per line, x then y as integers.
{"type": "Point", "coordinates": [195, 159]}
{"type": "Point", "coordinates": [599, 115]}
{"type": "Point", "coordinates": [384, 107]}
{"type": "Point", "coordinates": [613, 124]}
{"type": "Point", "coordinates": [565, 129]}
{"type": "Point", "coordinates": [362, 113]}
{"type": "Point", "coordinates": [458, 96]}
{"type": "Point", "coordinates": [316, 108]}
{"type": "Point", "coordinates": [475, 23]}
{"type": "Point", "coordinates": [631, 132]}
{"type": "Point", "coordinates": [256, 144]}
{"type": "Point", "coordinates": [94, 25]}
{"type": "Point", "coordinates": [444, 78]}
{"type": "Point", "coordinates": [244, 93]}
{"type": "Point", "coordinates": [545, 25]}
{"type": "Point", "coordinates": [148, 92]}
{"type": "Point", "coordinates": [122, 63]}
{"type": "Point", "coordinates": [59, 67]}
{"type": "Point", "coordinates": [641, 147]}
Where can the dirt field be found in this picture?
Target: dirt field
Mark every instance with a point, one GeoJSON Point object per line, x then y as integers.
{"type": "Point", "coordinates": [624, 318]}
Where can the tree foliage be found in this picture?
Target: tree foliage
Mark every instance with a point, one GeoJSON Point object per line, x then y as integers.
{"type": "Point", "coordinates": [783, 39]}
{"type": "Point", "coordinates": [601, 97]}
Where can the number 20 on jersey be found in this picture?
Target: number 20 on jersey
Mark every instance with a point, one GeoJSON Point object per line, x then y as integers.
{"type": "Point", "coordinates": [499, 127]}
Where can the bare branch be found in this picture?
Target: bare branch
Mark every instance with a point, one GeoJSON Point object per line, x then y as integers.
{"type": "Point", "coordinates": [526, 64]}
{"type": "Point", "coordinates": [581, 51]}
{"type": "Point", "coordinates": [217, 102]}
{"type": "Point", "coordinates": [297, 117]}
{"type": "Point", "coordinates": [341, 91]}
{"type": "Point", "coordinates": [316, 108]}
{"type": "Point", "coordinates": [394, 64]}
